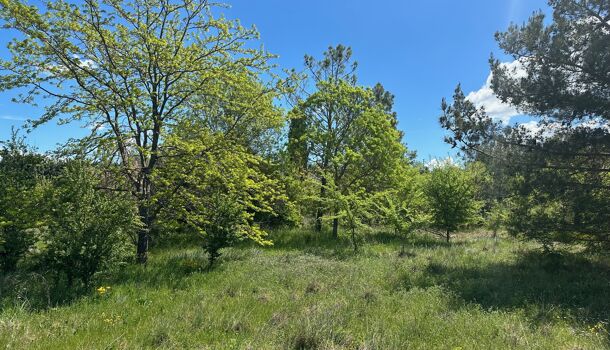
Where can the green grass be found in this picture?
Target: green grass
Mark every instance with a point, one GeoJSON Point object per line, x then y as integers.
{"type": "Point", "coordinates": [309, 292]}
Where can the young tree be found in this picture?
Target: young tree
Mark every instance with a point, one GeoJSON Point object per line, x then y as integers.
{"type": "Point", "coordinates": [214, 186]}
{"type": "Point", "coordinates": [356, 208]}
{"type": "Point", "coordinates": [450, 191]}
{"type": "Point", "coordinates": [129, 70]}
{"type": "Point", "coordinates": [345, 132]}
{"type": "Point", "coordinates": [404, 207]}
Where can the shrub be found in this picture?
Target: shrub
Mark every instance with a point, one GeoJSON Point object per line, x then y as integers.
{"type": "Point", "coordinates": [21, 168]}
{"type": "Point", "coordinates": [450, 191]}
{"type": "Point", "coordinates": [86, 229]}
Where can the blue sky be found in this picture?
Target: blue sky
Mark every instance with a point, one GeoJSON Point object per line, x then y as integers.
{"type": "Point", "coordinates": [419, 50]}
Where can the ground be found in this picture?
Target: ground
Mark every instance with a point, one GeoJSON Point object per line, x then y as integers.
{"type": "Point", "coordinates": [311, 292]}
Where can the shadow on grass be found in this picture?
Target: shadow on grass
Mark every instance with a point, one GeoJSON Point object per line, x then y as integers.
{"type": "Point", "coordinates": [166, 269]}
{"type": "Point", "coordinates": [420, 239]}
{"type": "Point", "coordinates": [169, 269]}
{"type": "Point", "coordinates": [324, 244]}
{"type": "Point", "coordinates": [544, 285]}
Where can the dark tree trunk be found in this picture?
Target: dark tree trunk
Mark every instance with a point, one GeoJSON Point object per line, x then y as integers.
{"type": "Point", "coordinates": [320, 210]}
{"type": "Point", "coordinates": [143, 235]}
{"type": "Point", "coordinates": [142, 248]}
{"type": "Point", "coordinates": [448, 236]}
{"type": "Point", "coordinates": [146, 216]}
{"type": "Point", "coordinates": [335, 228]}
{"type": "Point", "coordinates": [319, 220]}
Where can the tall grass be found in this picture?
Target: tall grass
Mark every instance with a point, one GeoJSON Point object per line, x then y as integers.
{"type": "Point", "coordinates": [309, 291]}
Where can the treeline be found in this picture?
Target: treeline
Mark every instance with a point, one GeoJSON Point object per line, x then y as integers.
{"type": "Point", "coordinates": [192, 134]}
{"type": "Point", "coordinates": [70, 218]}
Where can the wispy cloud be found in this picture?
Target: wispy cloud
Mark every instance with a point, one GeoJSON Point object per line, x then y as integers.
{"type": "Point", "coordinates": [12, 118]}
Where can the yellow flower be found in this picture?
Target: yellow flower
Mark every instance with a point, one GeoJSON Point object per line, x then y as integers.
{"type": "Point", "coordinates": [102, 290]}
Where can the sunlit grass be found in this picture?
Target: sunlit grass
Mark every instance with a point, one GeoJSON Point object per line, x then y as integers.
{"type": "Point", "coordinates": [310, 292]}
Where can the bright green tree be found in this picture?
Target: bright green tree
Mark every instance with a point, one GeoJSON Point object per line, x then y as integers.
{"type": "Point", "coordinates": [404, 207]}
{"type": "Point", "coordinates": [214, 186]}
{"type": "Point", "coordinates": [129, 70]}
{"type": "Point", "coordinates": [346, 133]}
{"type": "Point", "coordinates": [451, 192]}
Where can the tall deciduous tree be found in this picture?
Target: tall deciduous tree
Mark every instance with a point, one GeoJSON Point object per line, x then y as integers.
{"type": "Point", "coordinates": [129, 70]}
{"type": "Point", "coordinates": [347, 132]}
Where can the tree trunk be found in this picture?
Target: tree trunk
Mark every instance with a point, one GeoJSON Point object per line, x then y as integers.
{"type": "Point", "coordinates": [320, 210]}
{"type": "Point", "coordinates": [319, 220]}
{"type": "Point", "coordinates": [146, 215]}
{"type": "Point", "coordinates": [448, 236]}
{"type": "Point", "coordinates": [142, 249]}
{"type": "Point", "coordinates": [143, 235]}
{"type": "Point", "coordinates": [335, 228]}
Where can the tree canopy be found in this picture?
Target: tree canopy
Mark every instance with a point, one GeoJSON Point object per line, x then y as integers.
{"type": "Point", "coordinates": [130, 70]}
{"type": "Point", "coordinates": [559, 169]}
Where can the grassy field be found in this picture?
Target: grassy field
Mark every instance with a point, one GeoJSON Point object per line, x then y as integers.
{"type": "Point", "coordinates": [309, 292]}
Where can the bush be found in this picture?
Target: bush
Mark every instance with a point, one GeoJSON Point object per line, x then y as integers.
{"type": "Point", "coordinates": [20, 171]}
{"type": "Point", "coordinates": [86, 229]}
{"type": "Point", "coordinates": [222, 227]}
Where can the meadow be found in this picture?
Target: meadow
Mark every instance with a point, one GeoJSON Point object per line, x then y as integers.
{"type": "Point", "coordinates": [309, 291]}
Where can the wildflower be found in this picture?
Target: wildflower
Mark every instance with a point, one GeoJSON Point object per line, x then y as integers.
{"type": "Point", "coordinates": [103, 290]}
{"type": "Point", "coordinates": [597, 328]}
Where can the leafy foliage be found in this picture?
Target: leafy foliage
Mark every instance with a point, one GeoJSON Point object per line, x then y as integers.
{"type": "Point", "coordinates": [450, 191]}
{"type": "Point", "coordinates": [347, 134]}
{"type": "Point", "coordinates": [404, 208]}
{"type": "Point", "coordinates": [86, 229]}
{"type": "Point", "coordinates": [129, 70]}
{"type": "Point", "coordinates": [556, 176]}
{"type": "Point", "coordinates": [21, 169]}
{"type": "Point", "coordinates": [213, 186]}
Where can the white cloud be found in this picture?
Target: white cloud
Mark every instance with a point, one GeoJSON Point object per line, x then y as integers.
{"type": "Point", "coordinates": [440, 163]}
{"type": "Point", "coordinates": [548, 129]}
{"type": "Point", "coordinates": [595, 124]}
{"type": "Point", "coordinates": [55, 69]}
{"type": "Point", "coordinates": [485, 97]}
{"type": "Point", "coordinates": [85, 63]}
{"type": "Point", "coordinates": [532, 126]}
